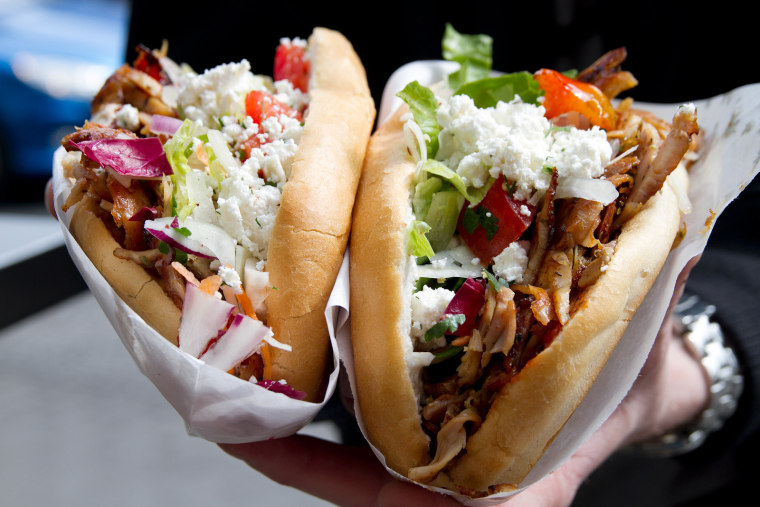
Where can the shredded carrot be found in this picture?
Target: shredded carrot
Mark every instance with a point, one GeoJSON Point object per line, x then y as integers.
{"type": "Point", "coordinates": [245, 303]}
{"type": "Point", "coordinates": [230, 296]}
{"type": "Point", "coordinates": [266, 357]}
{"type": "Point", "coordinates": [267, 360]}
{"type": "Point", "coordinates": [210, 285]}
{"type": "Point", "coordinates": [186, 273]}
{"type": "Point", "coordinates": [200, 152]}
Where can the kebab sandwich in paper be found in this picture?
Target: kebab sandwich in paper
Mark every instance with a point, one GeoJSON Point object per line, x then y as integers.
{"type": "Point", "coordinates": [511, 226]}
{"type": "Point", "coordinates": [218, 205]}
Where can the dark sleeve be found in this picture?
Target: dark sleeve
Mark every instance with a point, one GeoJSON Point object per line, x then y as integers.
{"type": "Point", "coordinates": [728, 276]}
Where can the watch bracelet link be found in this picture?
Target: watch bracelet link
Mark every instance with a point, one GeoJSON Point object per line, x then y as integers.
{"type": "Point", "coordinates": [705, 340]}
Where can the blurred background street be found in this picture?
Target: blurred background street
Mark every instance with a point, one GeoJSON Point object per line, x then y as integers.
{"type": "Point", "coordinates": [81, 425]}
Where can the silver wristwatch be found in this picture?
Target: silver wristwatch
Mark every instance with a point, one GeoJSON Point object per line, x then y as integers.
{"type": "Point", "coordinates": [705, 340]}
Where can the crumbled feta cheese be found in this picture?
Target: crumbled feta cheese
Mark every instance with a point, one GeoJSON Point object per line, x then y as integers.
{"type": "Point", "coordinates": [287, 94]}
{"type": "Point", "coordinates": [580, 153]}
{"type": "Point", "coordinates": [128, 117]}
{"type": "Point", "coordinates": [236, 133]}
{"type": "Point", "coordinates": [123, 116]}
{"type": "Point", "coordinates": [428, 306]}
{"type": "Point", "coordinates": [511, 263]}
{"type": "Point", "coordinates": [247, 207]}
{"type": "Point", "coordinates": [246, 200]}
{"type": "Point", "coordinates": [516, 140]}
{"type": "Point", "coordinates": [218, 92]}
{"type": "Point", "coordinates": [230, 276]}
{"type": "Point", "coordinates": [481, 143]}
{"type": "Point", "coordinates": [296, 41]}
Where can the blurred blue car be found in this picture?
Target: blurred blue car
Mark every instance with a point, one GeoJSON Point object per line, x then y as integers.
{"type": "Point", "coordinates": [54, 56]}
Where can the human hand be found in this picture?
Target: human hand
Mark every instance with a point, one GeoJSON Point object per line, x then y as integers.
{"type": "Point", "coordinates": [671, 390]}
{"type": "Point", "coordinates": [49, 204]}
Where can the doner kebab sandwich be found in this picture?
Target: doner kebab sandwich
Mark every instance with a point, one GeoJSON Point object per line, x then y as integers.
{"type": "Point", "coordinates": [508, 228]}
{"type": "Point", "coordinates": [218, 205]}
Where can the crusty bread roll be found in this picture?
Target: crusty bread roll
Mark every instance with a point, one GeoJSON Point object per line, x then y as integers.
{"type": "Point", "coordinates": [532, 408]}
{"type": "Point", "coordinates": [380, 330]}
{"type": "Point", "coordinates": [312, 225]}
{"type": "Point", "coordinates": [311, 229]}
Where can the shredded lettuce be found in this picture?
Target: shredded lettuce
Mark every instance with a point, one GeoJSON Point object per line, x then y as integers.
{"type": "Point", "coordinates": [215, 167]}
{"type": "Point", "coordinates": [440, 192]}
{"type": "Point", "coordinates": [487, 92]}
{"type": "Point", "coordinates": [423, 104]}
{"type": "Point", "coordinates": [423, 195]}
{"type": "Point", "coordinates": [438, 200]}
{"type": "Point", "coordinates": [418, 245]}
{"type": "Point", "coordinates": [474, 55]}
{"type": "Point", "coordinates": [473, 195]}
{"type": "Point", "coordinates": [472, 52]}
{"type": "Point", "coordinates": [178, 150]}
{"type": "Point", "coordinates": [442, 217]}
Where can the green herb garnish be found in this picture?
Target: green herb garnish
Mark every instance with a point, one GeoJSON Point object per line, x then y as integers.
{"type": "Point", "coordinates": [449, 323]}
{"type": "Point", "coordinates": [480, 216]}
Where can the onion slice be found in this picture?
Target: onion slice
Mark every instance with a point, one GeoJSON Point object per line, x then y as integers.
{"type": "Point", "coordinates": [467, 301]}
{"type": "Point", "coordinates": [203, 318]}
{"type": "Point", "coordinates": [280, 386]}
{"type": "Point", "coordinates": [160, 124]}
{"type": "Point", "coordinates": [204, 240]}
{"type": "Point", "coordinates": [142, 158]}
{"type": "Point", "coordinates": [598, 190]}
{"type": "Point", "coordinates": [242, 339]}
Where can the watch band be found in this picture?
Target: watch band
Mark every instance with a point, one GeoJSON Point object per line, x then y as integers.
{"type": "Point", "coordinates": [705, 340]}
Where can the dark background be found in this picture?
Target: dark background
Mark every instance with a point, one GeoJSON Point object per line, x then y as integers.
{"type": "Point", "coordinates": [677, 50]}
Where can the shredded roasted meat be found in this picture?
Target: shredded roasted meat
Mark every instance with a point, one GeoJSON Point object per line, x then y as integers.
{"type": "Point", "coordinates": [668, 155]}
{"type": "Point", "coordinates": [121, 204]}
{"type": "Point", "coordinates": [572, 240]}
{"type": "Point", "coordinates": [605, 74]}
{"type": "Point", "coordinates": [130, 86]}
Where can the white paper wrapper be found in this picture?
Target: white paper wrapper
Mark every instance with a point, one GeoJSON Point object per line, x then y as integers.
{"type": "Point", "coordinates": [214, 405]}
{"type": "Point", "coordinates": [728, 162]}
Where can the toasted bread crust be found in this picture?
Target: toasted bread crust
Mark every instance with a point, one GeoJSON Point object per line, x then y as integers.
{"type": "Point", "coordinates": [311, 230]}
{"type": "Point", "coordinates": [132, 283]}
{"type": "Point", "coordinates": [379, 335]}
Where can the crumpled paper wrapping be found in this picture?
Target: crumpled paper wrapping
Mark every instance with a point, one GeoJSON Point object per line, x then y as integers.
{"type": "Point", "coordinates": [213, 404]}
{"type": "Point", "coordinates": [728, 162]}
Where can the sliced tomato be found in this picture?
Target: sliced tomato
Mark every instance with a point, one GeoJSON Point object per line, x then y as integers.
{"type": "Point", "coordinates": [563, 94]}
{"type": "Point", "coordinates": [148, 63]}
{"type": "Point", "coordinates": [250, 144]}
{"type": "Point", "coordinates": [498, 220]}
{"type": "Point", "coordinates": [290, 63]}
{"type": "Point", "coordinates": [262, 105]}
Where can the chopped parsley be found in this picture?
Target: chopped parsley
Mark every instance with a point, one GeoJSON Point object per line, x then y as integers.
{"type": "Point", "coordinates": [449, 323]}
{"type": "Point", "coordinates": [480, 216]}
